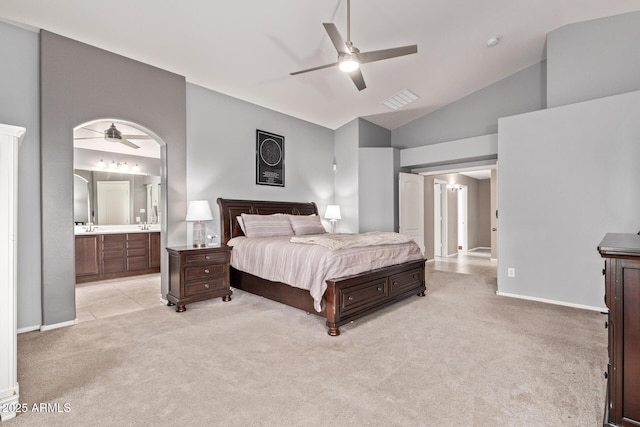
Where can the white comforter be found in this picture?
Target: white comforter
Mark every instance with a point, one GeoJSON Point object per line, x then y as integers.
{"type": "Point", "coordinates": [309, 266]}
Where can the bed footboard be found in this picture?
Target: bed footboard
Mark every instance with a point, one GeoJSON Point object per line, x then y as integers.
{"type": "Point", "coordinates": [352, 297]}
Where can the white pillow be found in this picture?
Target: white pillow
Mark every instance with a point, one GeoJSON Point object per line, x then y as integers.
{"type": "Point", "coordinates": [303, 224]}
{"type": "Point", "coordinates": [266, 225]}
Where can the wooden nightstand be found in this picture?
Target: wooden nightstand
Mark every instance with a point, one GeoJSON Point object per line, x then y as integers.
{"type": "Point", "coordinates": [197, 274]}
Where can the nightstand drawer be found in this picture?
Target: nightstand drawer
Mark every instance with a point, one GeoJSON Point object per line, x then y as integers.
{"type": "Point", "coordinates": [204, 287]}
{"type": "Point", "coordinates": [204, 271]}
{"type": "Point", "coordinates": [206, 257]}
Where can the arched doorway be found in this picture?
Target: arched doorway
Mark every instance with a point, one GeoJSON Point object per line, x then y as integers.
{"type": "Point", "coordinates": [118, 228]}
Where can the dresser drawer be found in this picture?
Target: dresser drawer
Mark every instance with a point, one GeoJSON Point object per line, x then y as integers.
{"type": "Point", "coordinates": [204, 271]}
{"type": "Point", "coordinates": [206, 257]}
{"type": "Point", "coordinates": [358, 296]}
{"type": "Point", "coordinates": [403, 282]}
{"type": "Point", "coordinates": [205, 286]}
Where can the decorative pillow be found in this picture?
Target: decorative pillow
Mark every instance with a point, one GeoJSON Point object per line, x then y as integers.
{"type": "Point", "coordinates": [266, 225]}
{"type": "Point", "coordinates": [303, 224]}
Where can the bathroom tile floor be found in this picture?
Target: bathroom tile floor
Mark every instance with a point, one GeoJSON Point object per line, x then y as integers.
{"type": "Point", "coordinates": [106, 298]}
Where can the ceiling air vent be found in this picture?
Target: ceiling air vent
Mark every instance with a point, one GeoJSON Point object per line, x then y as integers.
{"type": "Point", "coordinates": [400, 99]}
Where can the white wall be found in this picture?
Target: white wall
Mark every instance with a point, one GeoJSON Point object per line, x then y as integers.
{"type": "Point", "coordinates": [221, 153]}
{"type": "Point", "coordinates": [19, 106]}
{"type": "Point", "coordinates": [568, 175]}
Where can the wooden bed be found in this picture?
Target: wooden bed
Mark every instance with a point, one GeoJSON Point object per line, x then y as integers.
{"type": "Point", "coordinates": [346, 298]}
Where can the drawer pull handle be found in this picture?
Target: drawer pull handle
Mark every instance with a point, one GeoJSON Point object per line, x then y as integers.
{"type": "Point", "coordinates": [350, 298]}
{"type": "Point", "coordinates": [206, 270]}
{"type": "Point", "coordinates": [206, 286]}
{"type": "Point", "coordinates": [207, 257]}
{"type": "Point", "coordinates": [415, 276]}
{"type": "Point", "coordinates": [395, 283]}
{"type": "Point", "coordinates": [379, 288]}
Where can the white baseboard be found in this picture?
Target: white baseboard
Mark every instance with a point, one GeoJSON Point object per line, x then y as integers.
{"type": "Point", "coordinates": [551, 301]}
{"type": "Point", "coordinates": [9, 404]}
{"type": "Point", "coordinates": [29, 329]}
{"type": "Point", "coordinates": [164, 301]}
{"type": "Point", "coordinates": [58, 325]}
{"type": "Point", "coordinates": [478, 248]}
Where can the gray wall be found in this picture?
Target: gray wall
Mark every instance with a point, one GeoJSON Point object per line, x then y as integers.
{"type": "Point", "coordinates": [19, 106]}
{"type": "Point", "coordinates": [551, 223]}
{"type": "Point", "coordinates": [593, 59]}
{"type": "Point", "coordinates": [372, 135]}
{"type": "Point", "coordinates": [221, 153]}
{"type": "Point", "coordinates": [80, 83]}
{"type": "Point", "coordinates": [377, 177]}
{"type": "Point", "coordinates": [478, 113]}
{"type": "Point", "coordinates": [347, 176]}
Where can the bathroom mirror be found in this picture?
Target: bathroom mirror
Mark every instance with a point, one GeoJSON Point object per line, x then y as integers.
{"type": "Point", "coordinates": [113, 198]}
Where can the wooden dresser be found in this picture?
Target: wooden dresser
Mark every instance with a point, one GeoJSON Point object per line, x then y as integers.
{"type": "Point", "coordinates": [622, 296]}
{"type": "Point", "coordinates": [197, 274]}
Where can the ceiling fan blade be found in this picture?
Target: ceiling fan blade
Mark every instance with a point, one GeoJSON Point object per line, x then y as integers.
{"type": "Point", "coordinates": [314, 69]}
{"type": "Point", "coordinates": [378, 55]}
{"type": "Point", "coordinates": [89, 137]}
{"type": "Point", "coordinates": [93, 130]}
{"type": "Point", "coordinates": [137, 136]}
{"type": "Point", "coordinates": [129, 143]}
{"type": "Point", "coordinates": [336, 38]}
{"type": "Point", "coordinates": [357, 78]}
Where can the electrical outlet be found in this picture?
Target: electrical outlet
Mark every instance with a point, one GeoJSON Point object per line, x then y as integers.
{"type": "Point", "coordinates": [137, 219]}
{"type": "Point", "coordinates": [511, 272]}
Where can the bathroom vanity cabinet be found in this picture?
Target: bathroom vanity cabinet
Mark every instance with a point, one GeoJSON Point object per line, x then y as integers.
{"type": "Point", "coordinates": [111, 255]}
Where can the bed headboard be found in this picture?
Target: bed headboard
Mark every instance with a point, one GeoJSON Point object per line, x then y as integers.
{"type": "Point", "coordinates": [230, 209]}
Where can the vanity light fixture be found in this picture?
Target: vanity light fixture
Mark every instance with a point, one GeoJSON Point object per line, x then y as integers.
{"type": "Point", "coordinates": [119, 166]}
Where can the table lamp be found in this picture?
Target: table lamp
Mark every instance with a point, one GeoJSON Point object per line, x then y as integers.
{"type": "Point", "coordinates": [197, 212]}
{"type": "Point", "coordinates": [333, 215]}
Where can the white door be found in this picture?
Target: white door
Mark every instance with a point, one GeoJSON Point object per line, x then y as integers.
{"type": "Point", "coordinates": [411, 205]}
{"type": "Point", "coordinates": [439, 218]}
{"type": "Point", "coordinates": [463, 238]}
{"type": "Point", "coordinates": [113, 202]}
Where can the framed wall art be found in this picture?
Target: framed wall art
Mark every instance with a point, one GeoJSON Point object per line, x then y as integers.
{"type": "Point", "coordinates": [269, 159]}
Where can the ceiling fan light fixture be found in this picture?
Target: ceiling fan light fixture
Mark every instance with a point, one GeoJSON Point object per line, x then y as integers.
{"type": "Point", "coordinates": [113, 165]}
{"type": "Point", "coordinates": [112, 134]}
{"type": "Point", "coordinates": [348, 62]}
{"type": "Point", "coordinates": [102, 164]}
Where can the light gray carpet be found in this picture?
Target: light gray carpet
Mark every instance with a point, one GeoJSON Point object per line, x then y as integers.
{"type": "Point", "coordinates": [461, 356]}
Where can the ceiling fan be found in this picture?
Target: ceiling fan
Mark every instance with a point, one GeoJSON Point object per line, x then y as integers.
{"type": "Point", "coordinates": [350, 58]}
{"type": "Point", "coordinates": [114, 135]}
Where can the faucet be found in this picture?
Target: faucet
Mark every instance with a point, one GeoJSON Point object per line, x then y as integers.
{"type": "Point", "coordinates": [90, 227]}
{"type": "Point", "coordinates": [144, 226]}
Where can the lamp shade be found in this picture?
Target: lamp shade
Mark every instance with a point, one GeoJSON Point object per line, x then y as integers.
{"type": "Point", "coordinates": [332, 212]}
{"type": "Point", "coordinates": [199, 210]}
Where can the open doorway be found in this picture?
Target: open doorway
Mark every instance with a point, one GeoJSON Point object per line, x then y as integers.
{"type": "Point", "coordinates": [439, 218]}
{"type": "Point", "coordinates": [463, 212]}
{"type": "Point", "coordinates": [118, 223]}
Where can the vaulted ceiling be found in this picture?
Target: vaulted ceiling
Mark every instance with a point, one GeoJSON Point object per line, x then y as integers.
{"type": "Point", "coordinates": [246, 49]}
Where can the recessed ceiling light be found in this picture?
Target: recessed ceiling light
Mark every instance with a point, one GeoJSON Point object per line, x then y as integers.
{"type": "Point", "coordinates": [401, 99]}
{"type": "Point", "coordinates": [493, 41]}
